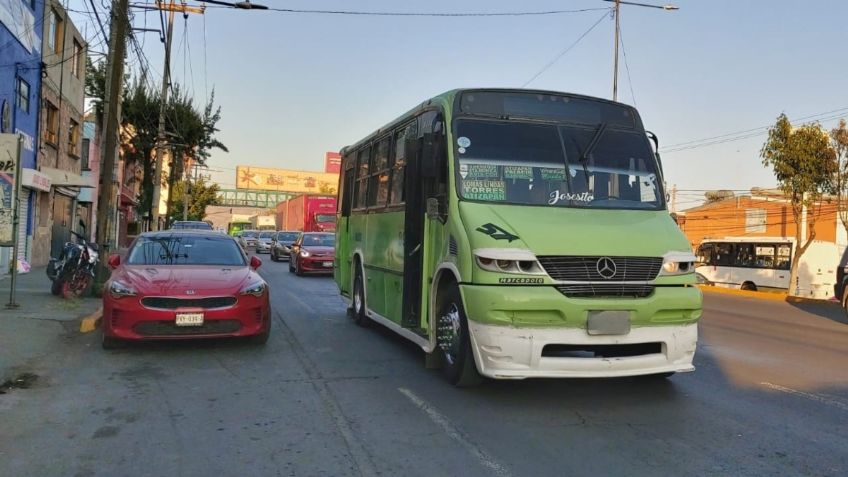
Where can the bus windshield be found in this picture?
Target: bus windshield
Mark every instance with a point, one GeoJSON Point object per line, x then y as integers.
{"type": "Point", "coordinates": [567, 165]}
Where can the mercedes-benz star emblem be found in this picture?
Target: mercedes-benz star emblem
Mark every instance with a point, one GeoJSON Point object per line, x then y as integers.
{"type": "Point", "coordinates": [606, 267]}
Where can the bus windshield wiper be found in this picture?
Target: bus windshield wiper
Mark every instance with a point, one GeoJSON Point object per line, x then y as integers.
{"type": "Point", "coordinates": [584, 158]}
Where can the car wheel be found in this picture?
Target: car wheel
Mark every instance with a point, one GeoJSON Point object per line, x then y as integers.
{"type": "Point", "coordinates": [108, 342]}
{"type": "Point", "coordinates": [454, 340]}
{"type": "Point", "coordinates": [359, 316]}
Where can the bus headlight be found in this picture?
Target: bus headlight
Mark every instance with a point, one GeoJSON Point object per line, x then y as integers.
{"type": "Point", "coordinates": [678, 263]}
{"type": "Point", "coordinates": [508, 260]}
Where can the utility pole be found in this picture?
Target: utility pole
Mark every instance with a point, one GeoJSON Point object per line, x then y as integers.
{"type": "Point", "coordinates": [107, 195]}
{"type": "Point", "coordinates": [617, 13]}
{"type": "Point", "coordinates": [171, 7]}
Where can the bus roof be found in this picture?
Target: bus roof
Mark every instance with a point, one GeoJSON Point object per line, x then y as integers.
{"type": "Point", "coordinates": [447, 98]}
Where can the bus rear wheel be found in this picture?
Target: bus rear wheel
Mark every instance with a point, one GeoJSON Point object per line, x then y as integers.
{"type": "Point", "coordinates": [454, 341]}
{"type": "Point", "coordinates": [748, 286]}
{"type": "Point", "coordinates": [359, 316]}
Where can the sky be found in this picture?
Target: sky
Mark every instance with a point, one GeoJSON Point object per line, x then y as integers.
{"type": "Point", "coordinates": [293, 86]}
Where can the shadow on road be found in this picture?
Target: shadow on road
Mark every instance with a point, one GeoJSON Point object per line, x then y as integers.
{"type": "Point", "coordinates": [825, 309]}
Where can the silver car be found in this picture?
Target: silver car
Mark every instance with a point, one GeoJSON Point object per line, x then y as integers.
{"type": "Point", "coordinates": [281, 245]}
{"type": "Point", "coordinates": [248, 239]}
{"type": "Point", "coordinates": [263, 244]}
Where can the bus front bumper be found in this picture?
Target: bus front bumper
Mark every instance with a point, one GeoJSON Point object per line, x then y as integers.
{"type": "Point", "coordinates": [516, 353]}
{"type": "Point", "coordinates": [511, 327]}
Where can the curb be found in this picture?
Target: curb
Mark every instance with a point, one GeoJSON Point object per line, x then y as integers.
{"type": "Point", "coordinates": [91, 322]}
{"type": "Point", "coordinates": [783, 296]}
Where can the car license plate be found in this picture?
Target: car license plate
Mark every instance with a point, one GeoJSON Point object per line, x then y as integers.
{"type": "Point", "coordinates": [608, 323]}
{"type": "Point", "coordinates": [328, 264]}
{"type": "Point", "coordinates": [189, 319]}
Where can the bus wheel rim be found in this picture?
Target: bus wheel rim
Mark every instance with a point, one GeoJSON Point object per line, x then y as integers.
{"type": "Point", "coordinates": [449, 333]}
{"type": "Point", "coordinates": [357, 296]}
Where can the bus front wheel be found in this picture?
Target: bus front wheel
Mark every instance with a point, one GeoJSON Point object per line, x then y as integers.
{"type": "Point", "coordinates": [454, 340]}
{"type": "Point", "coordinates": [748, 286]}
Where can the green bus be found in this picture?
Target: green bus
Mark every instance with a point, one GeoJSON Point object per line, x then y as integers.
{"type": "Point", "coordinates": [515, 234]}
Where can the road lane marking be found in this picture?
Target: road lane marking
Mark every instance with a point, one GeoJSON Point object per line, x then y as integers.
{"type": "Point", "coordinates": [814, 397]}
{"type": "Point", "coordinates": [440, 420]}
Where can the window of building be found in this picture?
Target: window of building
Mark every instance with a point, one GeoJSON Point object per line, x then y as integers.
{"type": "Point", "coordinates": [378, 189]}
{"type": "Point", "coordinates": [23, 95]}
{"type": "Point", "coordinates": [55, 28]}
{"type": "Point", "coordinates": [51, 123]}
{"type": "Point", "coordinates": [84, 160]}
{"type": "Point", "coordinates": [76, 65]}
{"type": "Point", "coordinates": [73, 138]}
{"type": "Point", "coordinates": [755, 221]}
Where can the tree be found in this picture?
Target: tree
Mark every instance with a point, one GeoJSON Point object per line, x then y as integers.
{"type": "Point", "coordinates": [804, 164]}
{"type": "Point", "coordinates": [839, 138]}
{"type": "Point", "coordinates": [201, 196]}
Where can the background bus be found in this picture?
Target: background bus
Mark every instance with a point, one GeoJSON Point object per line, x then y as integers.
{"type": "Point", "coordinates": [763, 263]}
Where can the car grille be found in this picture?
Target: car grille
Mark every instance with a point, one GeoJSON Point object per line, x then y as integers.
{"type": "Point", "coordinates": [169, 328]}
{"type": "Point", "coordinates": [169, 303]}
{"type": "Point", "coordinates": [605, 290]}
{"type": "Point", "coordinates": [580, 268]}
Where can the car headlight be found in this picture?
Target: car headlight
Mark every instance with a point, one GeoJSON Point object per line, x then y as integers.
{"type": "Point", "coordinates": [678, 263]}
{"type": "Point", "coordinates": [508, 260]}
{"type": "Point", "coordinates": [120, 290]}
{"type": "Point", "coordinates": [304, 253]}
{"type": "Point", "coordinates": [256, 289]}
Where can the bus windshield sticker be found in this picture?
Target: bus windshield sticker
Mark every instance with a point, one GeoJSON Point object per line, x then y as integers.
{"type": "Point", "coordinates": [518, 172]}
{"type": "Point", "coordinates": [484, 171]}
{"type": "Point", "coordinates": [463, 170]}
{"type": "Point", "coordinates": [496, 232]}
{"type": "Point", "coordinates": [556, 196]}
{"type": "Point", "coordinates": [552, 174]}
{"type": "Point", "coordinates": [484, 190]}
{"type": "Point", "coordinates": [463, 142]}
{"type": "Point", "coordinates": [461, 150]}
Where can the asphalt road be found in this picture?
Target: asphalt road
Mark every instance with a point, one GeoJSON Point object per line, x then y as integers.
{"type": "Point", "coordinates": [326, 397]}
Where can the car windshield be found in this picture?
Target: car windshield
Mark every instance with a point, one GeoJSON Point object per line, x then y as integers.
{"type": "Point", "coordinates": [319, 240]}
{"type": "Point", "coordinates": [287, 236]}
{"type": "Point", "coordinates": [266, 235]}
{"type": "Point", "coordinates": [249, 234]}
{"type": "Point", "coordinates": [185, 250]}
{"type": "Point", "coordinates": [544, 164]}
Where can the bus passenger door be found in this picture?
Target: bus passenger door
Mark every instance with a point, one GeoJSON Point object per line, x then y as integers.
{"type": "Point", "coordinates": [423, 173]}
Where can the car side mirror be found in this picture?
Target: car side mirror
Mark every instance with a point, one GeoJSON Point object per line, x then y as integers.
{"type": "Point", "coordinates": [114, 261]}
{"type": "Point", "coordinates": [255, 262]}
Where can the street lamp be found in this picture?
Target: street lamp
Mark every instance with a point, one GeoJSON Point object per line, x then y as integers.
{"type": "Point", "coordinates": [617, 12]}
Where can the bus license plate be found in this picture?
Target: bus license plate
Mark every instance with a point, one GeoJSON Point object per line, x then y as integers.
{"type": "Point", "coordinates": [328, 264]}
{"type": "Point", "coordinates": [608, 323]}
{"type": "Point", "coordinates": [189, 319]}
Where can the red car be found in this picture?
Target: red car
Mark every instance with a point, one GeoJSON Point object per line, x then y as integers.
{"type": "Point", "coordinates": [185, 284]}
{"type": "Point", "coordinates": [313, 252]}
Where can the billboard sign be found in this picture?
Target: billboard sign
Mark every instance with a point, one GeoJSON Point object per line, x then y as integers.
{"type": "Point", "coordinates": [285, 180]}
{"type": "Point", "coordinates": [333, 162]}
{"type": "Point", "coordinates": [9, 156]}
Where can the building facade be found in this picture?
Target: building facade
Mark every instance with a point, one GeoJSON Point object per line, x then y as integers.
{"type": "Point", "coordinates": [60, 154]}
{"type": "Point", "coordinates": [20, 83]}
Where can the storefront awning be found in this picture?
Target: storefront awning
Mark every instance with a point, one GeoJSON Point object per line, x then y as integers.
{"type": "Point", "coordinates": [59, 177]}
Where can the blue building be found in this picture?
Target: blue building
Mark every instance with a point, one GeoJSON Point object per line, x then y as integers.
{"type": "Point", "coordinates": [20, 92]}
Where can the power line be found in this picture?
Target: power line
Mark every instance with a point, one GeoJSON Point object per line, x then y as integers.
{"type": "Point", "coordinates": [626, 66]}
{"type": "Point", "coordinates": [419, 14]}
{"type": "Point", "coordinates": [563, 52]}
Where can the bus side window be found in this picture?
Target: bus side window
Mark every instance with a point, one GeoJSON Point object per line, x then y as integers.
{"type": "Point", "coordinates": [784, 257]}
{"type": "Point", "coordinates": [346, 184]}
{"type": "Point", "coordinates": [724, 254]}
{"type": "Point", "coordinates": [362, 178]}
{"type": "Point", "coordinates": [398, 167]}
{"type": "Point", "coordinates": [705, 254]}
{"type": "Point", "coordinates": [744, 255]}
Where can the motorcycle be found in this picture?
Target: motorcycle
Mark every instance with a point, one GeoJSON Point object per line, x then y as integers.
{"type": "Point", "coordinates": [73, 272]}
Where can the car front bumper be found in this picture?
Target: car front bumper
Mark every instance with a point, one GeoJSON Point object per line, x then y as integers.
{"type": "Point", "coordinates": [125, 318]}
{"type": "Point", "coordinates": [316, 264]}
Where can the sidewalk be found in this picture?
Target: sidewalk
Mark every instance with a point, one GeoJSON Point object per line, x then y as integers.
{"type": "Point", "coordinates": [33, 330]}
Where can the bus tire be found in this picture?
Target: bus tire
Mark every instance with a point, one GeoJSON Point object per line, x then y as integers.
{"type": "Point", "coordinates": [749, 286]}
{"type": "Point", "coordinates": [845, 299]}
{"type": "Point", "coordinates": [359, 315]}
{"type": "Point", "coordinates": [455, 341]}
